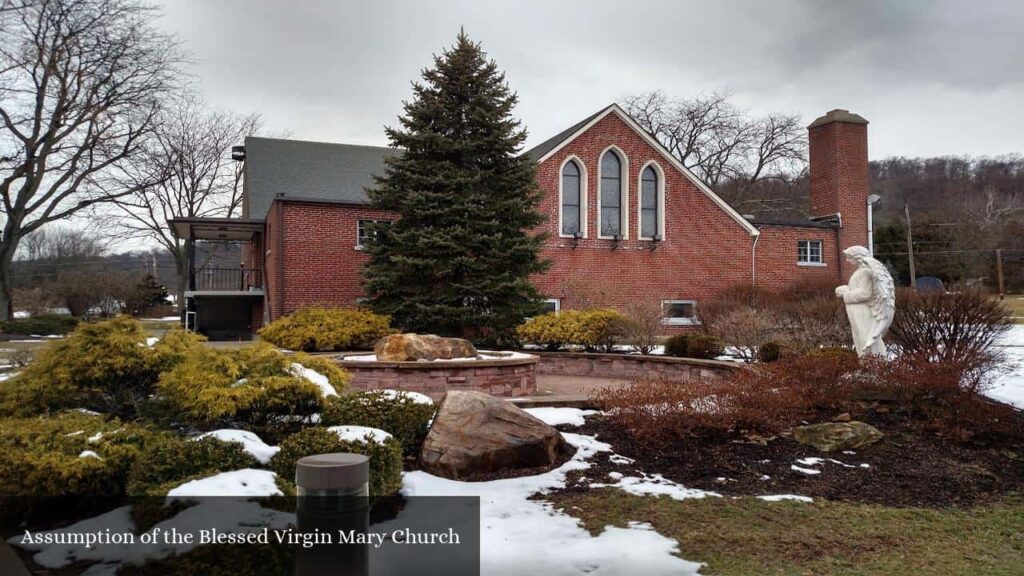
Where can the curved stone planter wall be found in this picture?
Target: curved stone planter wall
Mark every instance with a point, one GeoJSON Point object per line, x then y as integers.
{"type": "Point", "coordinates": [629, 366]}
{"type": "Point", "coordinates": [500, 377]}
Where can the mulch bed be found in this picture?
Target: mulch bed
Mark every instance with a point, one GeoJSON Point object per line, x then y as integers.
{"type": "Point", "coordinates": [906, 468]}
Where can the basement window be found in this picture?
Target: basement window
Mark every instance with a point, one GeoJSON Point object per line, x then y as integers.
{"type": "Point", "coordinates": [679, 313]}
{"type": "Point", "coordinates": [808, 253]}
{"type": "Point", "coordinates": [551, 305]}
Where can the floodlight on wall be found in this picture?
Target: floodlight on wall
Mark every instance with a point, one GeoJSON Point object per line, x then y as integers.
{"type": "Point", "coordinates": [576, 239]}
{"type": "Point", "coordinates": [615, 241]}
{"type": "Point", "coordinates": [654, 242]}
{"type": "Point", "coordinates": [238, 153]}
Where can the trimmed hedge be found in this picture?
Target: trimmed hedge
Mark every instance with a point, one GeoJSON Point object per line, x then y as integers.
{"type": "Point", "coordinates": [695, 345]}
{"type": "Point", "coordinates": [327, 330]}
{"type": "Point", "coordinates": [599, 328]}
{"type": "Point", "coordinates": [395, 413]}
{"type": "Point", "coordinates": [106, 367]}
{"type": "Point", "coordinates": [385, 458]}
{"type": "Point", "coordinates": [42, 325]}
{"type": "Point", "coordinates": [251, 388]}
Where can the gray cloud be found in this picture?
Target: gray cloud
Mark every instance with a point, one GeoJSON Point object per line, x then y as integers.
{"type": "Point", "coordinates": [933, 77]}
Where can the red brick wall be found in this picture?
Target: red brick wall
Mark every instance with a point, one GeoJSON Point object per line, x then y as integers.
{"type": "Point", "coordinates": [840, 181]}
{"type": "Point", "coordinates": [777, 267]}
{"type": "Point", "coordinates": [704, 250]}
{"type": "Point", "coordinates": [321, 263]}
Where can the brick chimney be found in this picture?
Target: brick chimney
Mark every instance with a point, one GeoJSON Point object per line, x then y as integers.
{"type": "Point", "coordinates": [839, 177]}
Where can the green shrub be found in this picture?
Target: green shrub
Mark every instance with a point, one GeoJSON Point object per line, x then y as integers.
{"type": "Point", "coordinates": [172, 461]}
{"type": "Point", "coordinates": [104, 366]}
{"type": "Point", "coordinates": [385, 458]}
{"type": "Point", "coordinates": [253, 388]}
{"type": "Point", "coordinates": [599, 328]}
{"type": "Point", "coordinates": [677, 345]}
{"type": "Point", "coordinates": [694, 345]}
{"type": "Point", "coordinates": [327, 329]}
{"type": "Point", "coordinates": [44, 324]}
{"type": "Point", "coordinates": [44, 461]}
{"type": "Point", "coordinates": [398, 414]}
{"type": "Point", "coordinates": [704, 346]}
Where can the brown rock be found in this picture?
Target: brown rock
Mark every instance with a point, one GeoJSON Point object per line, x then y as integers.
{"type": "Point", "coordinates": [413, 347]}
{"type": "Point", "coordinates": [832, 436]}
{"type": "Point", "coordinates": [475, 434]}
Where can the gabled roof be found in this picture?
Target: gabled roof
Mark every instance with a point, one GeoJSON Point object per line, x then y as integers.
{"type": "Point", "coordinates": [549, 147]}
{"type": "Point", "coordinates": [309, 171]}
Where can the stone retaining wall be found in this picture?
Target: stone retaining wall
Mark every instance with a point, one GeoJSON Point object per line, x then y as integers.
{"type": "Point", "coordinates": [503, 377]}
{"type": "Point", "coordinates": [629, 366]}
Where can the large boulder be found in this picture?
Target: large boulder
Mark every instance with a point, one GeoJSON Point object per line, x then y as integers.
{"type": "Point", "coordinates": [832, 436]}
{"type": "Point", "coordinates": [476, 434]}
{"type": "Point", "coordinates": [414, 347]}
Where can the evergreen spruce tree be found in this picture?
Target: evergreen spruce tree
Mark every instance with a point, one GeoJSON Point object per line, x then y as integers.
{"type": "Point", "coordinates": [458, 261]}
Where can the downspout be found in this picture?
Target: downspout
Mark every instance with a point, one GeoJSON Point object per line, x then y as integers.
{"type": "Point", "coordinates": [280, 258]}
{"type": "Point", "coordinates": [753, 261]}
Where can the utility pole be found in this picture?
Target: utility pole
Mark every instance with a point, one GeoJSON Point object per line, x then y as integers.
{"type": "Point", "coordinates": [999, 272]}
{"type": "Point", "coordinates": [910, 248]}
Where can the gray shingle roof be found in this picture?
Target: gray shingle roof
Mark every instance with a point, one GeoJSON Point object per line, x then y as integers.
{"type": "Point", "coordinates": [538, 151]}
{"type": "Point", "coordinates": [308, 171]}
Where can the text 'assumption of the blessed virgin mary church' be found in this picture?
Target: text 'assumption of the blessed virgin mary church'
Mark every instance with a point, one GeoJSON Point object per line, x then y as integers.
{"type": "Point", "coordinates": [621, 212]}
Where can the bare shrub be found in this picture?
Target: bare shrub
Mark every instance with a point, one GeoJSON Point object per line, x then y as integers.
{"type": "Point", "coordinates": [643, 327]}
{"type": "Point", "coordinates": [745, 328]}
{"type": "Point", "coordinates": [956, 327]}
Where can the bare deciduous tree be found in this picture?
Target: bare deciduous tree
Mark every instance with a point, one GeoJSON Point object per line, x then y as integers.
{"type": "Point", "coordinates": [720, 142]}
{"type": "Point", "coordinates": [193, 149]}
{"type": "Point", "coordinates": [81, 86]}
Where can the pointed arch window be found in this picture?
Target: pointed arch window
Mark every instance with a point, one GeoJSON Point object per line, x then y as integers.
{"type": "Point", "coordinates": [611, 194]}
{"type": "Point", "coordinates": [649, 217]}
{"type": "Point", "coordinates": [572, 205]}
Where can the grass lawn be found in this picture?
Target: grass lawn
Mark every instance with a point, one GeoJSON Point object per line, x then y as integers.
{"type": "Point", "coordinates": [741, 537]}
{"type": "Point", "coordinates": [1016, 305]}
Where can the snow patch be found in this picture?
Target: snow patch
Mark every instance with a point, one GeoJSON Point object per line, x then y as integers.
{"type": "Point", "coordinates": [250, 442]}
{"type": "Point", "coordinates": [808, 471]}
{"type": "Point", "coordinates": [246, 482]}
{"type": "Point", "coordinates": [556, 416]}
{"type": "Point", "coordinates": [781, 497]}
{"type": "Point", "coordinates": [415, 397]}
{"type": "Point", "coordinates": [656, 485]}
{"type": "Point", "coordinates": [89, 454]}
{"type": "Point", "coordinates": [360, 434]}
{"type": "Point", "coordinates": [315, 377]}
{"type": "Point", "coordinates": [1009, 385]}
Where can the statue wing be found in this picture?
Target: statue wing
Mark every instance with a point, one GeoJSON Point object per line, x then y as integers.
{"type": "Point", "coordinates": [883, 299]}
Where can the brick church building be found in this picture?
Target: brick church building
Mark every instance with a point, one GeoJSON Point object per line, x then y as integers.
{"type": "Point", "coordinates": [625, 220]}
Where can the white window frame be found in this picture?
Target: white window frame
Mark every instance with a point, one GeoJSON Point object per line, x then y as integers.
{"type": "Point", "coordinates": [660, 201]}
{"type": "Point", "coordinates": [583, 195]}
{"type": "Point", "coordinates": [557, 302]}
{"type": "Point", "coordinates": [623, 192]}
{"type": "Point", "coordinates": [809, 262]}
{"type": "Point", "coordinates": [668, 321]}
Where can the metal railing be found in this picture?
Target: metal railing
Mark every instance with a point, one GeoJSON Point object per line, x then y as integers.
{"type": "Point", "coordinates": [229, 279]}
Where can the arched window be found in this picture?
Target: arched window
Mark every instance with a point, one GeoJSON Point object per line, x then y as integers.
{"type": "Point", "coordinates": [611, 194]}
{"type": "Point", "coordinates": [649, 216]}
{"type": "Point", "coordinates": [572, 216]}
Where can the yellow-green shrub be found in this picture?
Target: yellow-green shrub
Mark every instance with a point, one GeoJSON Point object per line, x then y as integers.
{"type": "Point", "coordinates": [397, 414]}
{"type": "Point", "coordinates": [251, 388]}
{"type": "Point", "coordinates": [598, 328]}
{"type": "Point", "coordinates": [327, 329]}
{"type": "Point", "coordinates": [385, 457]}
{"type": "Point", "coordinates": [104, 366]}
{"type": "Point", "coordinates": [41, 463]}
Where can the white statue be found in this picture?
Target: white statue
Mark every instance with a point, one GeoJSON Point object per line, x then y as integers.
{"type": "Point", "coordinates": [870, 300]}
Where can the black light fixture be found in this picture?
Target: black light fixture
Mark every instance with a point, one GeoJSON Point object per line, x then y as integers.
{"type": "Point", "coordinates": [238, 153]}
{"type": "Point", "coordinates": [654, 242]}
{"type": "Point", "coordinates": [576, 239]}
{"type": "Point", "coordinates": [615, 241]}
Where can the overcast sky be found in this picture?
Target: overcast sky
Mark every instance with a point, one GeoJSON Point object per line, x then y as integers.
{"type": "Point", "coordinates": [933, 78]}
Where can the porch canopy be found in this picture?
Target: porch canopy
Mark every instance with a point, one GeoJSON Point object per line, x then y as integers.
{"type": "Point", "coordinates": [223, 229]}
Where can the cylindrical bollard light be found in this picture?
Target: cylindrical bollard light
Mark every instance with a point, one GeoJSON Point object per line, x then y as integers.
{"type": "Point", "coordinates": [333, 499]}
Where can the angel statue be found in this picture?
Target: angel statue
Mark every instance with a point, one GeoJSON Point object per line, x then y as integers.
{"type": "Point", "coordinates": [870, 300]}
